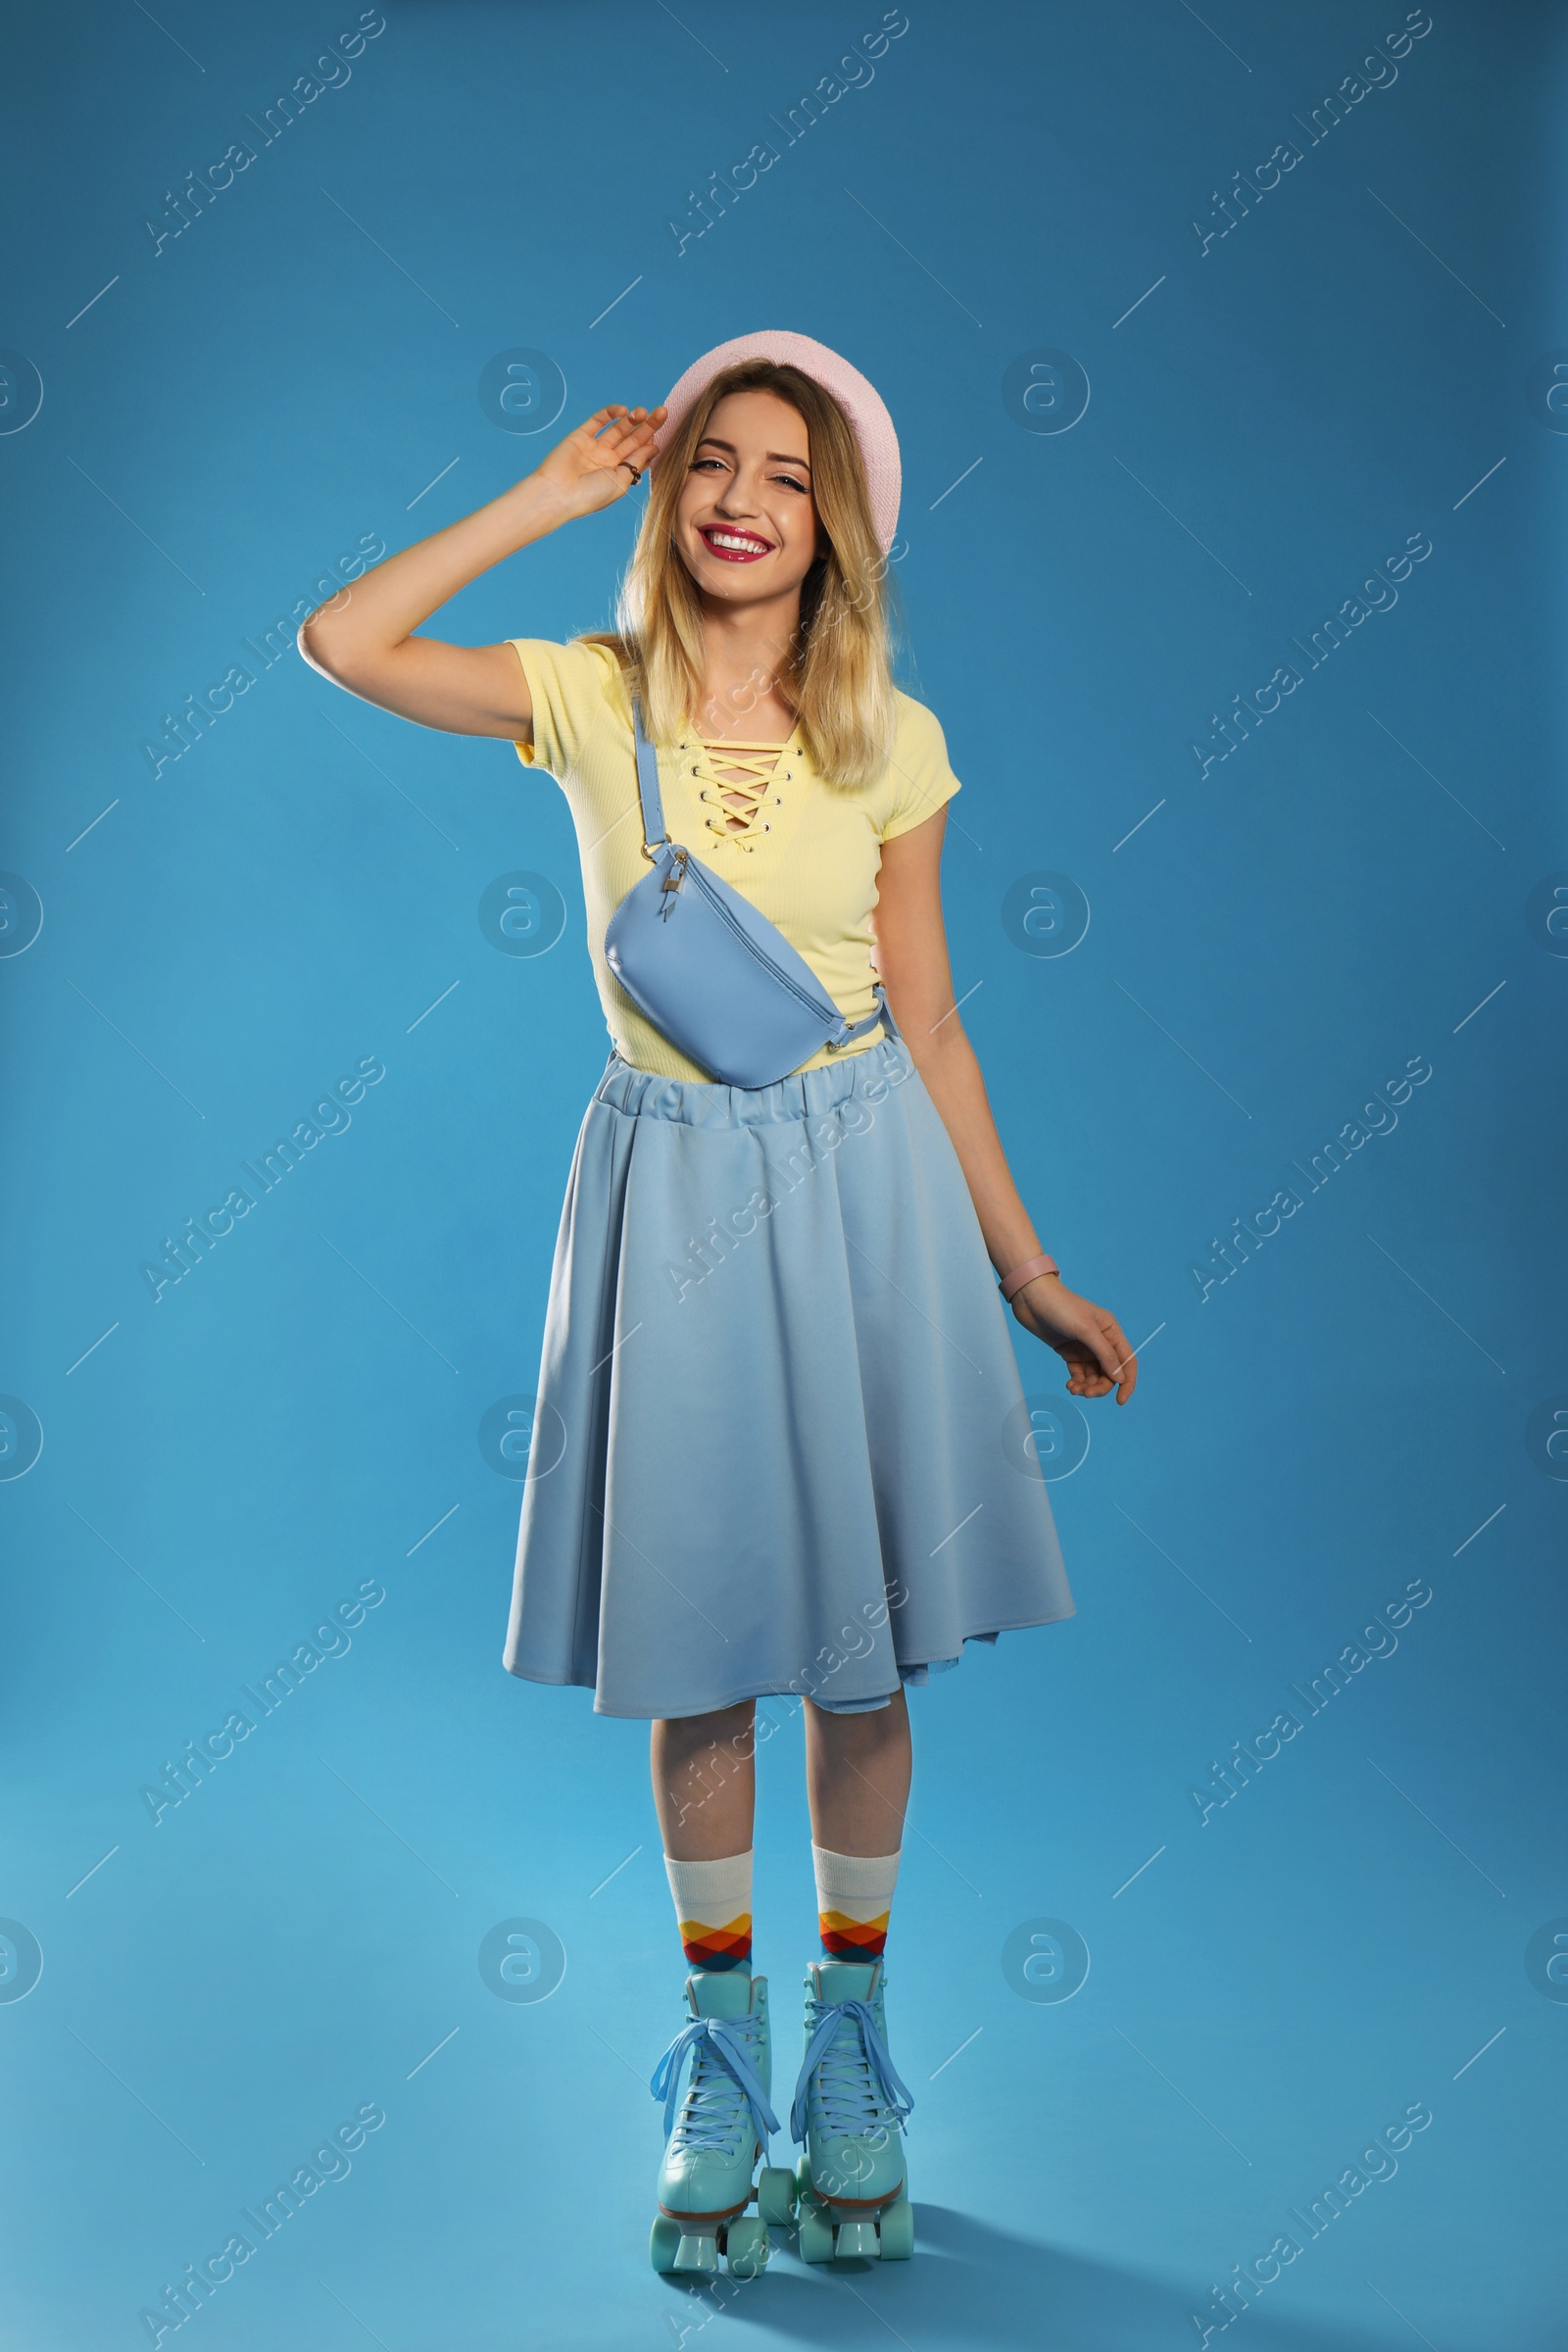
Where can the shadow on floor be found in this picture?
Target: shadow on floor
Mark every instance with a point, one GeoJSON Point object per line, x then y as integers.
{"type": "Point", "coordinates": [973, 2285]}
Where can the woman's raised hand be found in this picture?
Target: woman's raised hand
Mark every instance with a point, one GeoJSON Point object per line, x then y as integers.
{"type": "Point", "coordinates": [367, 642]}
{"type": "Point", "coordinates": [603, 459]}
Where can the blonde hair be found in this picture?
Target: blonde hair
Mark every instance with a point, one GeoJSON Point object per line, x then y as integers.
{"type": "Point", "coordinates": [838, 673]}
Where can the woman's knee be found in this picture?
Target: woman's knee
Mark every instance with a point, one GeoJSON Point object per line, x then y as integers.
{"type": "Point", "coordinates": [866, 1734]}
{"type": "Point", "coordinates": [731, 1728]}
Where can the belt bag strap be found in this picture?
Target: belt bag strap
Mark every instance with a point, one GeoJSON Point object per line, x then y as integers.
{"type": "Point", "coordinates": [648, 785]}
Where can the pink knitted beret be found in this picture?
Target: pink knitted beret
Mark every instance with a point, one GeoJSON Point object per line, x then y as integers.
{"type": "Point", "coordinates": [861, 402]}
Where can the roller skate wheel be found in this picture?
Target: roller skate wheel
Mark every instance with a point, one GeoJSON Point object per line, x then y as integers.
{"type": "Point", "coordinates": [898, 2231]}
{"type": "Point", "coordinates": [696, 2251]}
{"type": "Point", "coordinates": [775, 2193]}
{"type": "Point", "coordinates": [856, 2240]}
{"type": "Point", "coordinates": [662, 2242]}
{"type": "Point", "coordinates": [815, 2242]}
{"type": "Point", "coordinates": [746, 2247]}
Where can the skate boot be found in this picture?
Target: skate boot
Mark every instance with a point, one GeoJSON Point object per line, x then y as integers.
{"type": "Point", "coordinates": [723, 2122]}
{"type": "Point", "coordinates": [848, 2110]}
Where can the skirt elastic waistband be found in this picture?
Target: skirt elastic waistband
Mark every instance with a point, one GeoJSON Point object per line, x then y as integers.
{"type": "Point", "coordinates": [868, 1077]}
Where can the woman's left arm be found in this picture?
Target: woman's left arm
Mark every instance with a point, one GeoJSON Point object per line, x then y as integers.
{"type": "Point", "coordinates": [912, 964]}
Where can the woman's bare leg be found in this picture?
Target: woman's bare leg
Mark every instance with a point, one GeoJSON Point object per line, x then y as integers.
{"type": "Point", "coordinates": [857, 1778]}
{"type": "Point", "coordinates": [705, 1782]}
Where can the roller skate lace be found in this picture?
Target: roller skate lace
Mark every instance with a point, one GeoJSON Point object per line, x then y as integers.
{"type": "Point", "coordinates": [858, 2090]}
{"type": "Point", "coordinates": [724, 2089]}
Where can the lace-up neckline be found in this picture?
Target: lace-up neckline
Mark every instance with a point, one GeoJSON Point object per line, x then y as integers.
{"type": "Point", "coordinates": [736, 783]}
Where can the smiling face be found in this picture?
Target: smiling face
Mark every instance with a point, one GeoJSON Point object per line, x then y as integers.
{"type": "Point", "coordinates": [746, 522]}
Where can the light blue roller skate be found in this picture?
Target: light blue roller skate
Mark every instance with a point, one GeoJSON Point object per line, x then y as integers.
{"type": "Point", "coordinates": [848, 2110]}
{"type": "Point", "coordinates": [725, 2121]}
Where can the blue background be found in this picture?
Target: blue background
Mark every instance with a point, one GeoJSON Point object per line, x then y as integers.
{"type": "Point", "coordinates": [220, 942]}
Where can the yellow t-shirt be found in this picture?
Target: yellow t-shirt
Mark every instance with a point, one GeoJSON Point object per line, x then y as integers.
{"type": "Point", "coordinates": [806, 855]}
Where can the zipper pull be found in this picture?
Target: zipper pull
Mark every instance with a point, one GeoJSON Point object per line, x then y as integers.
{"type": "Point", "coordinates": [671, 883]}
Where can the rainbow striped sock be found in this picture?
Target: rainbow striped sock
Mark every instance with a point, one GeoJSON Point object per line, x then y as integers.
{"type": "Point", "coordinates": [854, 1902]}
{"type": "Point", "coordinates": [713, 1910]}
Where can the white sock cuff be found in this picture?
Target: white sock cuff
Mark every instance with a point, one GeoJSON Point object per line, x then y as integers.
{"type": "Point", "coordinates": [855, 1878]}
{"type": "Point", "coordinates": [714, 1892]}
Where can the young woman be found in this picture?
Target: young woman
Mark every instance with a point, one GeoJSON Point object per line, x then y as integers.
{"type": "Point", "coordinates": [782, 1442]}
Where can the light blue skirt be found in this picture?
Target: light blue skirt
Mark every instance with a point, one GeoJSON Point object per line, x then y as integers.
{"type": "Point", "coordinates": [771, 1446]}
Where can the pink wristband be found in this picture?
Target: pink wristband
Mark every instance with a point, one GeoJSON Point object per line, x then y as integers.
{"type": "Point", "coordinates": [1014, 1282]}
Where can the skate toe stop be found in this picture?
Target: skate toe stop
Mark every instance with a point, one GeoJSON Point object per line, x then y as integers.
{"type": "Point", "coordinates": [856, 2239]}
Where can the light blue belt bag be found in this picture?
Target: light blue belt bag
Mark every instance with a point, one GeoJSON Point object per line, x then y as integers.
{"type": "Point", "coordinates": [717, 977]}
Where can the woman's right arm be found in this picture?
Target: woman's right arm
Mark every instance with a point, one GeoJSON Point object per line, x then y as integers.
{"type": "Point", "coordinates": [364, 639]}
